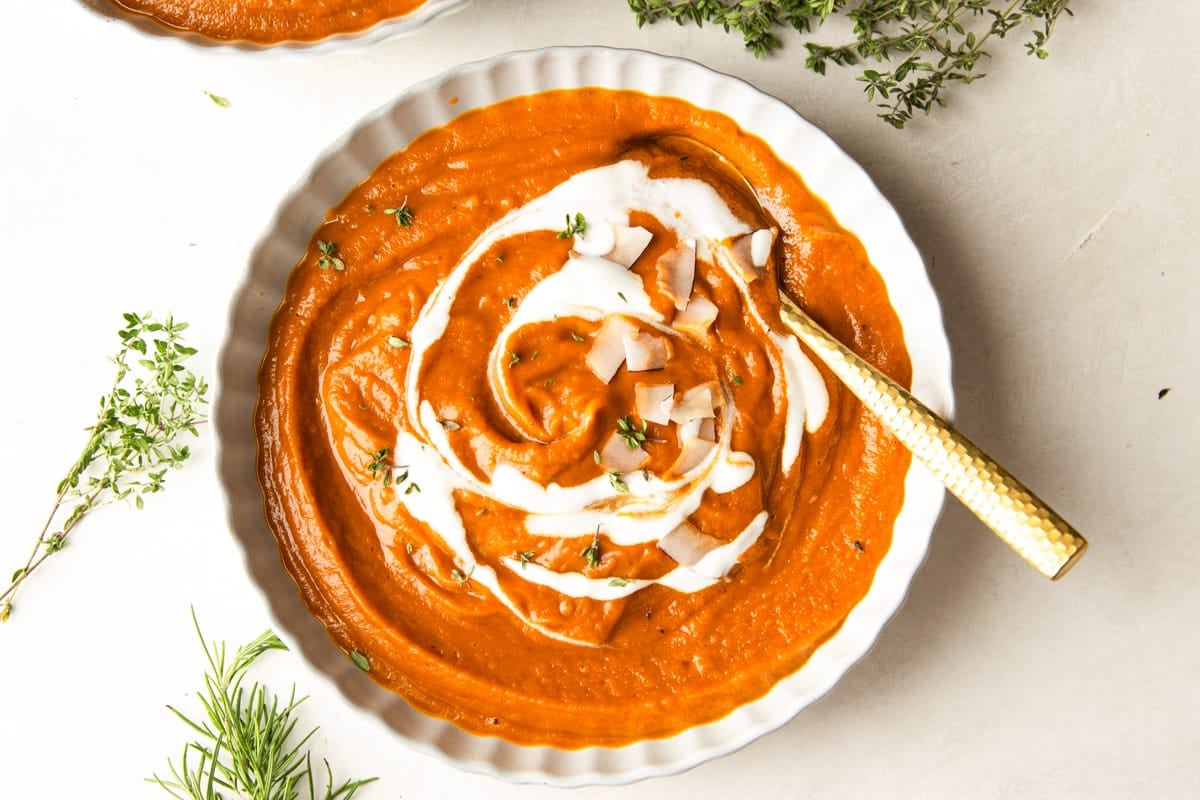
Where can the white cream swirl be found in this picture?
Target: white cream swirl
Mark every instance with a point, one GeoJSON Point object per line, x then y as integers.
{"type": "Point", "coordinates": [592, 287]}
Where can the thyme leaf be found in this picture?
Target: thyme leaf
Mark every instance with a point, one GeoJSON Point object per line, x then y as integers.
{"type": "Point", "coordinates": [591, 553]}
{"type": "Point", "coordinates": [928, 45]}
{"type": "Point", "coordinates": [402, 213]}
{"type": "Point", "coordinates": [633, 436]}
{"type": "Point", "coordinates": [579, 225]}
{"type": "Point", "coordinates": [329, 258]}
{"type": "Point", "coordinates": [381, 466]}
{"type": "Point", "coordinates": [154, 402]}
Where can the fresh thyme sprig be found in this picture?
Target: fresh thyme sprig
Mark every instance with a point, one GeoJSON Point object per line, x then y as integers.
{"type": "Point", "coordinates": [634, 437]}
{"type": "Point", "coordinates": [578, 225]}
{"type": "Point", "coordinates": [329, 258]}
{"type": "Point", "coordinates": [381, 467]}
{"type": "Point", "coordinates": [591, 553]}
{"type": "Point", "coordinates": [402, 213]}
{"type": "Point", "coordinates": [154, 401]}
{"type": "Point", "coordinates": [244, 747]}
{"type": "Point", "coordinates": [929, 44]}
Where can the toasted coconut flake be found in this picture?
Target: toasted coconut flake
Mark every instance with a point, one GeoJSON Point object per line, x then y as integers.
{"type": "Point", "coordinates": [705, 428]}
{"type": "Point", "coordinates": [761, 242]}
{"type": "Point", "coordinates": [617, 455]}
{"type": "Point", "coordinates": [628, 245]}
{"type": "Point", "coordinates": [697, 317]}
{"type": "Point", "coordinates": [645, 351]}
{"type": "Point", "coordinates": [736, 257]}
{"type": "Point", "coordinates": [653, 401]}
{"type": "Point", "coordinates": [686, 545]}
{"type": "Point", "coordinates": [596, 240]}
{"type": "Point", "coordinates": [608, 348]}
{"type": "Point", "coordinates": [677, 272]}
{"type": "Point", "coordinates": [693, 452]}
{"type": "Point", "coordinates": [697, 403]}
{"type": "Point", "coordinates": [687, 430]}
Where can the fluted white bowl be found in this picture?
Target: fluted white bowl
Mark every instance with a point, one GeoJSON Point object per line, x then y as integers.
{"type": "Point", "coordinates": [828, 171]}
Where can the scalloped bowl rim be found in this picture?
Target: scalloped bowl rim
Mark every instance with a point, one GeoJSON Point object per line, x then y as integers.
{"type": "Point", "coordinates": [405, 25]}
{"type": "Point", "coordinates": [826, 169]}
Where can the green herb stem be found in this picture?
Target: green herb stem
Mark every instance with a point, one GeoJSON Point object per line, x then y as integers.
{"type": "Point", "coordinates": [246, 745]}
{"type": "Point", "coordinates": [929, 44]}
{"type": "Point", "coordinates": [152, 403]}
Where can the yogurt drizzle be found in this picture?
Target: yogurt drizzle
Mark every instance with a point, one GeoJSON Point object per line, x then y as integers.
{"type": "Point", "coordinates": [653, 507]}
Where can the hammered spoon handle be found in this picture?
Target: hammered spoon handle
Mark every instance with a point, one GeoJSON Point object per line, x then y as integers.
{"type": "Point", "coordinates": [1005, 505]}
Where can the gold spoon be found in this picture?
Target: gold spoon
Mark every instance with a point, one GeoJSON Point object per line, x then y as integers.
{"type": "Point", "coordinates": [1005, 505]}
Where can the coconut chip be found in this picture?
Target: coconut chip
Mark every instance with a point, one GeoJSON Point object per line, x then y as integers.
{"type": "Point", "coordinates": [653, 401]}
{"type": "Point", "coordinates": [608, 348]}
{"type": "Point", "coordinates": [616, 454]}
{"type": "Point", "coordinates": [644, 351]}
{"type": "Point", "coordinates": [677, 272]}
{"type": "Point", "coordinates": [686, 545]}
{"type": "Point", "coordinates": [697, 317]}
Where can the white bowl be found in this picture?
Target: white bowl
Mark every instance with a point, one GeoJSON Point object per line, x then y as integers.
{"type": "Point", "coordinates": [828, 171]}
{"type": "Point", "coordinates": [385, 29]}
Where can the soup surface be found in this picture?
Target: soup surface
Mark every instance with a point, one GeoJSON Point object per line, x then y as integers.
{"type": "Point", "coordinates": [270, 21]}
{"type": "Point", "coordinates": [536, 446]}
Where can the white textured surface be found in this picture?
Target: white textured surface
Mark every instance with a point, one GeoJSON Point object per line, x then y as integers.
{"type": "Point", "coordinates": [1055, 202]}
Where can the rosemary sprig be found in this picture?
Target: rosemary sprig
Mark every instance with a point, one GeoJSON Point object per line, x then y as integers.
{"type": "Point", "coordinates": [154, 401]}
{"type": "Point", "coordinates": [244, 747]}
{"type": "Point", "coordinates": [929, 44]}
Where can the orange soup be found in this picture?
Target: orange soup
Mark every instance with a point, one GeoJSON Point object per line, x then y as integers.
{"type": "Point", "coordinates": [270, 21]}
{"type": "Point", "coordinates": [534, 443]}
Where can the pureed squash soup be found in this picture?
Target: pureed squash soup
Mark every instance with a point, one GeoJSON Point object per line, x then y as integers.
{"type": "Point", "coordinates": [534, 443]}
{"type": "Point", "coordinates": [270, 21]}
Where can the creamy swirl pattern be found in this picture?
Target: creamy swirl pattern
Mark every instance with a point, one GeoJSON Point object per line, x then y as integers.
{"type": "Point", "coordinates": [619, 509]}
